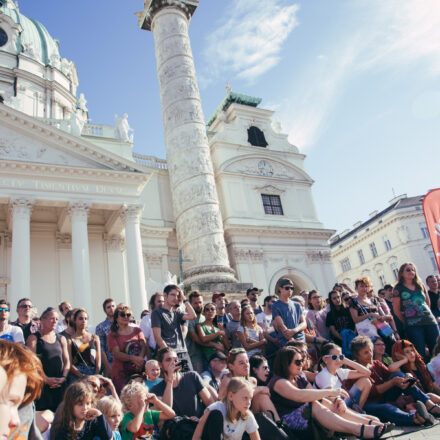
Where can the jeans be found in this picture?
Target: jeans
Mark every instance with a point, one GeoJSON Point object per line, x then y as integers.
{"type": "Point", "coordinates": [421, 335]}
{"type": "Point", "coordinates": [389, 413]}
{"type": "Point", "coordinates": [394, 392]}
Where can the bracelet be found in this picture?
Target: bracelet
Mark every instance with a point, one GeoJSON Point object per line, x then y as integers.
{"type": "Point", "coordinates": [314, 339]}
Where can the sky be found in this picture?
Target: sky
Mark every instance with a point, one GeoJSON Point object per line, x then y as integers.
{"type": "Point", "coordinates": [355, 84]}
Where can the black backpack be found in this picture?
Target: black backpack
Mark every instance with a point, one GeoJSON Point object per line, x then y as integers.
{"type": "Point", "coordinates": [178, 428]}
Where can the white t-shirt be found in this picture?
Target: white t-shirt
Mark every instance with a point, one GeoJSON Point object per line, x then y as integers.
{"type": "Point", "coordinates": [234, 431]}
{"type": "Point", "coordinates": [13, 333]}
{"type": "Point", "coordinates": [326, 380]}
{"type": "Point", "coordinates": [265, 321]}
{"type": "Point", "coordinates": [145, 326]}
{"type": "Point", "coordinates": [60, 327]}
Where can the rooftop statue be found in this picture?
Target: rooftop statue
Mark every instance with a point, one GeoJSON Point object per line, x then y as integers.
{"type": "Point", "coordinates": [123, 129]}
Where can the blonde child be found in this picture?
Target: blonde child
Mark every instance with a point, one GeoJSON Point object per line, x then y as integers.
{"type": "Point", "coordinates": [249, 333]}
{"type": "Point", "coordinates": [152, 373]}
{"type": "Point", "coordinates": [230, 418]}
{"type": "Point", "coordinates": [80, 420]}
{"type": "Point", "coordinates": [138, 420]}
{"type": "Point", "coordinates": [112, 410]}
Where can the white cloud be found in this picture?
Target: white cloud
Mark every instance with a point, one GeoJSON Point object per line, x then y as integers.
{"type": "Point", "coordinates": [392, 35]}
{"type": "Point", "coordinates": [249, 40]}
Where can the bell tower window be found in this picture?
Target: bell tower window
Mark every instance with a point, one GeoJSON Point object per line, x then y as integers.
{"type": "Point", "coordinates": [3, 37]}
{"type": "Point", "coordinates": [256, 137]}
{"type": "Point", "coordinates": [272, 204]}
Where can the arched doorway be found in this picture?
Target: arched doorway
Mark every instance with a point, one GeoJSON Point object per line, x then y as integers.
{"type": "Point", "coordinates": [301, 280]}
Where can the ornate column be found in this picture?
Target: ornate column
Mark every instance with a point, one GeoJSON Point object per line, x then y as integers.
{"type": "Point", "coordinates": [130, 215]}
{"type": "Point", "coordinates": [82, 289]}
{"type": "Point", "coordinates": [199, 223]}
{"type": "Point", "coordinates": [20, 286]}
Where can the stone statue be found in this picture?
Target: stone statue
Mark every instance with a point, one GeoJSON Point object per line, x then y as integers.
{"type": "Point", "coordinates": [76, 123]}
{"type": "Point", "coordinates": [82, 103]}
{"type": "Point", "coordinates": [169, 278]}
{"type": "Point", "coordinates": [123, 129]}
{"type": "Point", "coordinates": [276, 125]}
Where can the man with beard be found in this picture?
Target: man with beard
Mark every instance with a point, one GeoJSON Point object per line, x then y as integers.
{"type": "Point", "coordinates": [193, 342]}
{"type": "Point", "coordinates": [102, 330]}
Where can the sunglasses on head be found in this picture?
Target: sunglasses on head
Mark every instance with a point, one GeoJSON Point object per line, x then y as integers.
{"type": "Point", "coordinates": [237, 350]}
{"type": "Point", "coordinates": [335, 357]}
{"type": "Point", "coordinates": [125, 315]}
{"type": "Point", "coordinates": [5, 309]}
{"type": "Point", "coordinates": [298, 362]}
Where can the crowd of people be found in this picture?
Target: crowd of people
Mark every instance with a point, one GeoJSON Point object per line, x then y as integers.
{"type": "Point", "coordinates": [357, 362]}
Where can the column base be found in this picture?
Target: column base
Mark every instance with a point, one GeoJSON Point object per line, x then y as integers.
{"type": "Point", "coordinates": [209, 274]}
{"type": "Point", "coordinates": [234, 291]}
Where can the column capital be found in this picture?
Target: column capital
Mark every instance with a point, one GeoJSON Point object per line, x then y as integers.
{"type": "Point", "coordinates": [152, 7]}
{"type": "Point", "coordinates": [64, 241]}
{"type": "Point", "coordinates": [21, 206]}
{"type": "Point", "coordinates": [114, 242]}
{"type": "Point", "coordinates": [131, 213]}
{"type": "Point", "coordinates": [79, 209]}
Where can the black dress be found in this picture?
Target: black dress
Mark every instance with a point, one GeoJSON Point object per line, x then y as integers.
{"type": "Point", "coordinates": [51, 356]}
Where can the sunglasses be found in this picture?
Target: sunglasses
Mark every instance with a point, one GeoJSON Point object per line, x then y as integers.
{"type": "Point", "coordinates": [209, 309]}
{"type": "Point", "coordinates": [335, 357]}
{"type": "Point", "coordinates": [125, 315]}
{"type": "Point", "coordinates": [288, 288]}
{"type": "Point", "coordinates": [5, 309]}
{"type": "Point", "coordinates": [298, 362]}
{"type": "Point", "coordinates": [26, 306]}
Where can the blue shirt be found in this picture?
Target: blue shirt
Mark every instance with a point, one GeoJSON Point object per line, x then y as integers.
{"type": "Point", "coordinates": [290, 313]}
{"type": "Point", "coordinates": [102, 330]}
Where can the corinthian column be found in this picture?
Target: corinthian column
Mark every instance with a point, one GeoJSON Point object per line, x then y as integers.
{"type": "Point", "coordinates": [199, 224]}
{"type": "Point", "coordinates": [82, 289]}
{"type": "Point", "coordinates": [135, 264]}
{"type": "Point", "coordinates": [21, 210]}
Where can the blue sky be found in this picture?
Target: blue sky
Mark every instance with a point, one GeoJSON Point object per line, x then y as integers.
{"type": "Point", "coordinates": [355, 84]}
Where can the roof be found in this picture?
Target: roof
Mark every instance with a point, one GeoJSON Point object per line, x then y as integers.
{"type": "Point", "coordinates": [33, 34]}
{"type": "Point", "coordinates": [233, 97]}
{"type": "Point", "coordinates": [404, 202]}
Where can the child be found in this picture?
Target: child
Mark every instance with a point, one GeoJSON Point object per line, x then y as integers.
{"type": "Point", "coordinates": [112, 410]}
{"type": "Point", "coordinates": [80, 420]}
{"type": "Point", "coordinates": [333, 375]}
{"type": "Point", "coordinates": [230, 418]}
{"type": "Point", "coordinates": [139, 421]}
{"type": "Point", "coordinates": [152, 373]}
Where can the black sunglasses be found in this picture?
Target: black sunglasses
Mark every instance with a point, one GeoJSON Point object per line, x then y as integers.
{"type": "Point", "coordinates": [288, 288]}
{"type": "Point", "coordinates": [335, 357]}
{"type": "Point", "coordinates": [298, 362]}
{"type": "Point", "coordinates": [125, 315]}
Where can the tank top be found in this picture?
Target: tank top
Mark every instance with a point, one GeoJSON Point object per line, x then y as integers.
{"type": "Point", "coordinates": [84, 354]}
{"type": "Point", "coordinates": [413, 306]}
{"type": "Point", "coordinates": [51, 355]}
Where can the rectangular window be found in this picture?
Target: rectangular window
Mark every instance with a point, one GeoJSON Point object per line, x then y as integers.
{"type": "Point", "coordinates": [424, 230]}
{"type": "Point", "coordinates": [387, 243]}
{"type": "Point", "coordinates": [395, 270]}
{"type": "Point", "coordinates": [361, 256]}
{"type": "Point", "coordinates": [345, 265]}
{"type": "Point", "coordinates": [432, 258]}
{"type": "Point", "coordinates": [373, 250]}
{"type": "Point", "coordinates": [272, 204]}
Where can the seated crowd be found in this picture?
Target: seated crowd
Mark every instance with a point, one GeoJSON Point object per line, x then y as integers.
{"type": "Point", "coordinates": [297, 366]}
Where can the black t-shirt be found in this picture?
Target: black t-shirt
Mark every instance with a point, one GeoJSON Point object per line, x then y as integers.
{"type": "Point", "coordinates": [433, 297]}
{"type": "Point", "coordinates": [96, 428]}
{"type": "Point", "coordinates": [341, 319]}
{"type": "Point", "coordinates": [186, 400]}
{"type": "Point", "coordinates": [170, 326]}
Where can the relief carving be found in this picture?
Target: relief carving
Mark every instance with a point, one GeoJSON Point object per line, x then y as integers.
{"type": "Point", "coordinates": [253, 167]}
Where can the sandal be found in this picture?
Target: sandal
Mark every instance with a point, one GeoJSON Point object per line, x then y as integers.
{"type": "Point", "coordinates": [379, 431]}
{"type": "Point", "coordinates": [423, 413]}
{"type": "Point", "coordinates": [435, 413]}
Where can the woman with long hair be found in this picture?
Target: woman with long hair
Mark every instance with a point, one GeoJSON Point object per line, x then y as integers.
{"type": "Point", "coordinates": [128, 346]}
{"type": "Point", "coordinates": [339, 317]}
{"type": "Point", "coordinates": [52, 349]}
{"type": "Point", "coordinates": [317, 314]}
{"type": "Point", "coordinates": [298, 402]}
{"type": "Point", "coordinates": [249, 333]}
{"type": "Point", "coordinates": [412, 306]}
{"type": "Point", "coordinates": [416, 367]}
{"type": "Point", "coordinates": [84, 347]}
{"type": "Point", "coordinates": [259, 369]}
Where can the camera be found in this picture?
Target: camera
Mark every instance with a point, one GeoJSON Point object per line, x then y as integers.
{"type": "Point", "coordinates": [411, 381]}
{"type": "Point", "coordinates": [183, 364]}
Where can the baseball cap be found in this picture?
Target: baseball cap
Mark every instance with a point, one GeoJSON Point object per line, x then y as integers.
{"type": "Point", "coordinates": [253, 289]}
{"type": "Point", "coordinates": [217, 355]}
{"type": "Point", "coordinates": [217, 295]}
{"type": "Point", "coordinates": [285, 282]}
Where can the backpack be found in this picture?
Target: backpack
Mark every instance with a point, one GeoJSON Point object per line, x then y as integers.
{"type": "Point", "coordinates": [178, 428]}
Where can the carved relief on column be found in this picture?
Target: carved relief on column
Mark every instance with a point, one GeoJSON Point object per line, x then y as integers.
{"type": "Point", "coordinates": [131, 213]}
{"type": "Point", "coordinates": [64, 241]}
{"type": "Point", "coordinates": [79, 210]}
{"type": "Point", "coordinates": [114, 242]}
{"type": "Point", "coordinates": [21, 207]}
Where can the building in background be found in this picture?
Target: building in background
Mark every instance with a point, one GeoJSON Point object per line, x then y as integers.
{"type": "Point", "coordinates": [83, 217]}
{"type": "Point", "coordinates": [377, 247]}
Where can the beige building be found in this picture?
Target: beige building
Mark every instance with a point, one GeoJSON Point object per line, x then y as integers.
{"type": "Point", "coordinates": [378, 246]}
{"type": "Point", "coordinates": [83, 217]}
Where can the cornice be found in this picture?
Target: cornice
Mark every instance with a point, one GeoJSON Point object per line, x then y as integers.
{"type": "Point", "coordinates": [277, 231]}
{"type": "Point", "coordinates": [356, 242]}
{"type": "Point", "coordinates": [75, 144]}
{"type": "Point", "coordinates": [162, 232]}
{"type": "Point", "coordinates": [63, 171]}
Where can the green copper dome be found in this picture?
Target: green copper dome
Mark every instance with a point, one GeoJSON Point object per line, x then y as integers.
{"type": "Point", "coordinates": [34, 36]}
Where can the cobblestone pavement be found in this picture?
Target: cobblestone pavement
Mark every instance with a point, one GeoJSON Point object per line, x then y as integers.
{"type": "Point", "coordinates": [431, 433]}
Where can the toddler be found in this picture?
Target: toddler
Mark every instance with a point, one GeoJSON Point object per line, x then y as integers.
{"type": "Point", "coordinates": [112, 410]}
{"type": "Point", "coordinates": [152, 373]}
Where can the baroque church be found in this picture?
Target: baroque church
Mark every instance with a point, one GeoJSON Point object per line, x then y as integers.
{"type": "Point", "coordinates": [84, 217]}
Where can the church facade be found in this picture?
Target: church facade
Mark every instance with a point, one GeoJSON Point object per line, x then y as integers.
{"type": "Point", "coordinates": [83, 217]}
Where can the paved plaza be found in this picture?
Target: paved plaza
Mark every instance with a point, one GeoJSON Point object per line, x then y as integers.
{"type": "Point", "coordinates": [431, 433]}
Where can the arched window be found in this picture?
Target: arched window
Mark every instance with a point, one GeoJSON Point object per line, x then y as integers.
{"type": "Point", "coordinates": [256, 137]}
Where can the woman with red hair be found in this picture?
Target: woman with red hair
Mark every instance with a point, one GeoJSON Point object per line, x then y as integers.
{"type": "Point", "coordinates": [416, 367]}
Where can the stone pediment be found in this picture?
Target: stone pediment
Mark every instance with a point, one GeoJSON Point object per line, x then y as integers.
{"type": "Point", "coordinates": [264, 166]}
{"type": "Point", "coordinates": [23, 138]}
